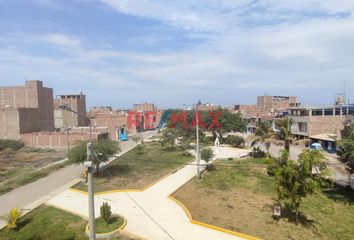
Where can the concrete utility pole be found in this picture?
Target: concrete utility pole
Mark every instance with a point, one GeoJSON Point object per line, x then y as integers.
{"type": "Point", "coordinates": [89, 166]}
{"type": "Point", "coordinates": [197, 156]}
{"type": "Point", "coordinates": [67, 135]}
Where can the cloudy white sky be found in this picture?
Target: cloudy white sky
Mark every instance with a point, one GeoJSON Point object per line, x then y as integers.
{"type": "Point", "coordinates": [121, 52]}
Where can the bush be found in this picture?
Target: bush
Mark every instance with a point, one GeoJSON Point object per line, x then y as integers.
{"type": "Point", "coordinates": [258, 153]}
{"type": "Point", "coordinates": [12, 144]}
{"type": "Point", "coordinates": [207, 154]}
{"type": "Point", "coordinates": [210, 167]}
{"type": "Point", "coordinates": [140, 149]}
{"type": "Point", "coordinates": [235, 141]}
{"type": "Point", "coordinates": [106, 212]}
{"type": "Point", "coordinates": [12, 218]}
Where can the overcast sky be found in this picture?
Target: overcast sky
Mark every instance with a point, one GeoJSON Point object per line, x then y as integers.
{"type": "Point", "coordinates": [120, 52]}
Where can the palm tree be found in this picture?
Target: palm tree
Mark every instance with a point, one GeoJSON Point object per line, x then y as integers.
{"type": "Point", "coordinates": [284, 131]}
{"type": "Point", "coordinates": [263, 131]}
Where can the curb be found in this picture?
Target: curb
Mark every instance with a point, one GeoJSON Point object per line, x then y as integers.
{"type": "Point", "coordinates": [185, 209]}
{"type": "Point", "coordinates": [108, 234]}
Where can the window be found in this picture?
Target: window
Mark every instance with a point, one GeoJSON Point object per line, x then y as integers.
{"type": "Point", "coordinates": [328, 112]}
{"type": "Point", "coordinates": [337, 111]}
{"type": "Point", "coordinates": [344, 111]}
{"type": "Point", "coordinates": [351, 110]}
{"type": "Point", "coordinates": [317, 112]}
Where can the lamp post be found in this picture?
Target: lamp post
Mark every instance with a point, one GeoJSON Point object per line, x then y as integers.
{"type": "Point", "coordinates": [198, 157]}
{"type": "Point", "coordinates": [89, 165]}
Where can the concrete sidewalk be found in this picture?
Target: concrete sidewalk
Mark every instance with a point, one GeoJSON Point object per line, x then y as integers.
{"type": "Point", "coordinates": [150, 213]}
{"type": "Point", "coordinates": [33, 194]}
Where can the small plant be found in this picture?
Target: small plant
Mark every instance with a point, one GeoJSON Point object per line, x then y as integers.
{"type": "Point", "coordinates": [207, 154]}
{"type": "Point", "coordinates": [12, 218]}
{"type": "Point", "coordinates": [12, 144]}
{"type": "Point", "coordinates": [106, 212]}
{"type": "Point", "coordinates": [258, 153]}
{"type": "Point", "coordinates": [140, 149]}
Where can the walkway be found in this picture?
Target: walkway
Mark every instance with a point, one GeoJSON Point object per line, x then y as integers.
{"type": "Point", "coordinates": [33, 194]}
{"type": "Point", "coordinates": [150, 213]}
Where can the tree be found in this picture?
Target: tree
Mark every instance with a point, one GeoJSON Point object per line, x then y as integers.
{"type": "Point", "coordinates": [229, 122]}
{"type": "Point", "coordinates": [263, 131]}
{"type": "Point", "coordinates": [235, 141]}
{"type": "Point", "coordinates": [284, 133]}
{"type": "Point", "coordinates": [101, 151]}
{"type": "Point", "coordinates": [267, 145]}
{"type": "Point", "coordinates": [105, 211]}
{"type": "Point", "coordinates": [169, 137]}
{"type": "Point", "coordinates": [184, 143]}
{"type": "Point", "coordinates": [207, 154]}
{"type": "Point", "coordinates": [297, 180]}
{"type": "Point", "coordinates": [345, 148]}
{"type": "Point", "coordinates": [138, 138]}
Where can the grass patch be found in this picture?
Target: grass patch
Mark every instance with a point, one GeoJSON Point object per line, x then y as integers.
{"type": "Point", "coordinates": [240, 197]}
{"type": "Point", "coordinates": [15, 178]}
{"type": "Point", "coordinates": [47, 222]}
{"type": "Point", "coordinates": [137, 169]}
{"type": "Point", "coordinates": [113, 224]}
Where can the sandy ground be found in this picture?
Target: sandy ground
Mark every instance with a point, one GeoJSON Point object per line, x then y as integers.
{"type": "Point", "coordinates": [24, 158]}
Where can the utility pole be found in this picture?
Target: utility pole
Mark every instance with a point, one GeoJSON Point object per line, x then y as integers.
{"type": "Point", "coordinates": [67, 135]}
{"type": "Point", "coordinates": [197, 156]}
{"type": "Point", "coordinates": [89, 166]}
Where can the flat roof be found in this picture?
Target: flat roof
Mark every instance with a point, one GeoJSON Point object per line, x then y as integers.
{"type": "Point", "coordinates": [321, 106]}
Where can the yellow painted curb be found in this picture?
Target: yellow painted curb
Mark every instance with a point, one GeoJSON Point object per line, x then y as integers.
{"type": "Point", "coordinates": [211, 226]}
{"type": "Point", "coordinates": [98, 235]}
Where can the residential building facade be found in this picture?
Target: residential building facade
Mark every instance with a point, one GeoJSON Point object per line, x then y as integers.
{"type": "Point", "coordinates": [63, 119]}
{"type": "Point", "coordinates": [25, 109]}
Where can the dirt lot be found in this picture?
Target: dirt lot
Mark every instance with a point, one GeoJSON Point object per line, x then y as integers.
{"type": "Point", "coordinates": [29, 158]}
{"type": "Point", "coordinates": [21, 167]}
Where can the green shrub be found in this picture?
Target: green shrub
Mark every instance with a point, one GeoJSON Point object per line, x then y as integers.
{"type": "Point", "coordinates": [235, 141]}
{"type": "Point", "coordinates": [207, 154]}
{"type": "Point", "coordinates": [258, 153]}
{"type": "Point", "coordinates": [140, 149]}
{"type": "Point", "coordinates": [12, 144]}
{"type": "Point", "coordinates": [106, 212]}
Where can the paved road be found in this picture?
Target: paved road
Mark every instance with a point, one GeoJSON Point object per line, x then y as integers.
{"type": "Point", "coordinates": [44, 188]}
{"type": "Point", "coordinates": [150, 214]}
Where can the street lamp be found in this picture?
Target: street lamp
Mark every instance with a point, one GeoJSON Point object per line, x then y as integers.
{"type": "Point", "coordinates": [197, 157]}
{"type": "Point", "coordinates": [89, 165]}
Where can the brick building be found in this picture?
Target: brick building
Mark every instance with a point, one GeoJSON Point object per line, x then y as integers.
{"type": "Point", "coordinates": [114, 120]}
{"type": "Point", "coordinates": [266, 109]}
{"type": "Point", "coordinates": [25, 109]}
{"type": "Point", "coordinates": [144, 107]}
{"type": "Point", "coordinates": [276, 105]}
{"type": "Point", "coordinates": [62, 119]}
{"type": "Point", "coordinates": [320, 123]}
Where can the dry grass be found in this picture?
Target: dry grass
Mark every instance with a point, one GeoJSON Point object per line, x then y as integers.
{"type": "Point", "coordinates": [241, 199]}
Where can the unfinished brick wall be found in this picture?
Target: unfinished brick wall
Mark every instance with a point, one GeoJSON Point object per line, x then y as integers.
{"type": "Point", "coordinates": [55, 139]}
{"type": "Point", "coordinates": [64, 118]}
{"type": "Point", "coordinates": [32, 96]}
{"type": "Point", "coordinates": [325, 124]}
